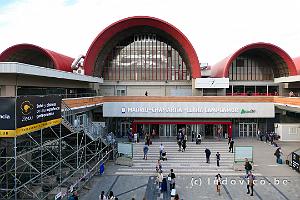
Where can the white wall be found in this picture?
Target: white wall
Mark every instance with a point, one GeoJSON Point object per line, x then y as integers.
{"type": "Point", "coordinates": [288, 131]}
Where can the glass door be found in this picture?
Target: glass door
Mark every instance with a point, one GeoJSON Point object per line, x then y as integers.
{"type": "Point", "coordinates": [247, 129]}
{"type": "Point", "coordinates": [125, 126]}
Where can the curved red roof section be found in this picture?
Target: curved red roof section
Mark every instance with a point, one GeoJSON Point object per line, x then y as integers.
{"type": "Point", "coordinates": [221, 69]}
{"type": "Point", "coordinates": [297, 63]}
{"type": "Point", "coordinates": [131, 22]}
{"type": "Point", "coordinates": [61, 62]}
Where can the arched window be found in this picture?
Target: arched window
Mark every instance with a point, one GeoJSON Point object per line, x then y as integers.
{"type": "Point", "coordinates": [144, 57]}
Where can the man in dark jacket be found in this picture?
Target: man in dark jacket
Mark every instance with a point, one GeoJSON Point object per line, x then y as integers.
{"type": "Point", "coordinates": [231, 146]}
{"type": "Point", "coordinates": [207, 154]}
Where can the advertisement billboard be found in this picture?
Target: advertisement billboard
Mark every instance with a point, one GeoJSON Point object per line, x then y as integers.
{"type": "Point", "coordinates": [26, 114]}
{"type": "Point", "coordinates": [36, 112]}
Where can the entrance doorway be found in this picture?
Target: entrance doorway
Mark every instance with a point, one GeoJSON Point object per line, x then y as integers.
{"type": "Point", "coordinates": [124, 128]}
{"type": "Point", "coordinates": [209, 131]}
{"type": "Point", "coordinates": [247, 129]}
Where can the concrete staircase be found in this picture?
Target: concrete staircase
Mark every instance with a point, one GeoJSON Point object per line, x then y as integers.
{"type": "Point", "coordinates": [191, 162]}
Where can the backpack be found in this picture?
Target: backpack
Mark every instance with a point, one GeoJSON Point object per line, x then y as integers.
{"type": "Point", "coordinates": [249, 166]}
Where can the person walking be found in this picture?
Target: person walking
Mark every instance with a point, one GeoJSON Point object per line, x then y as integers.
{"type": "Point", "coordinates": [258, 134]}
{"type": "Point", "coordinates": [179, 139]}
{"type": "Point", "coordinates": [207, 154]}
{"type": "Point", "coordinates": [102, 196]}
{"type": "Point", "coordinates": [111, 196]}
{"type": "Point", "coordinates": [231, 146]}
{"type": "Point", "coordinates": [172, 182]}
{"type": "Point", "coordinates": [248, 166]}
{"type": "Point", "coordinates": [159, 179]}
{"type": "Point", "coordinates": [229, 140]}
{"type": "Point", "coordinates": [198, 139]}
{"type": "Point", "coordinates": [218, 159]}
{"type": "Point", "coordinates": [74, 196]}
{"type": "Point", "coordinates": [158, 166]}
{"type": "Point", "coordinates": [218, 183]}
{"type": "Point", "coordinates": [278, 153]}
{"type": "Point", "coordinates": [161, 149]}
{"type": "Point", "coordinates": [147, 138]}
{"type": "Point", "coordinates": [250, 183]}
{"type": "Point", "coordinates": [193, 136]}
{"type": "Point", "coordinates": [184, 143]}
{"type": "Point", "coordinates": [145, 149]}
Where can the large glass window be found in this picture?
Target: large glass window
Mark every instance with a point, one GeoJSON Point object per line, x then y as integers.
{"type": "Point", "coordinates": [246, 68]}
{"type": "Point", "coordinates": [144, 57]}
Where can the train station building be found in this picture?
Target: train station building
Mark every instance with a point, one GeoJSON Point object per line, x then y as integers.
{"type": "Point", "coordinates": [142, 74]}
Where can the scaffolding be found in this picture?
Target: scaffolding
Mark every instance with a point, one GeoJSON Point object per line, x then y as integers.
{"type": "Point", "coordinates": [53, 162]}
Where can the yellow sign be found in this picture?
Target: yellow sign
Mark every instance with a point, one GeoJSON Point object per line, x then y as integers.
{"type": "Point", "coordinates": [29, 129]}
{"type": "Point", "coordinates": [7, 133]}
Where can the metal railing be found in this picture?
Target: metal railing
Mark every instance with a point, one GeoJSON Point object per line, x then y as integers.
{"type": "Point", "coordinates": [77, 123]}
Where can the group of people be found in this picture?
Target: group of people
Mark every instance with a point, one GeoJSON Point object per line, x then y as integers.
{"type": "Point", "coordinates": [268, 136]}
{"type": "Point", "coordinates": [249, 177]}
{"type": "Point", "coordinates": [181, 139]}
{"type": "Point", "coordinates": [207, 155]}
{"type": "Point", "coordinates": [110, 196]}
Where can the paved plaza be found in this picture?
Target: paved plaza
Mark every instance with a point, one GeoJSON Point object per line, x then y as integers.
{"type": "Point", "coordinates": [195, 178]}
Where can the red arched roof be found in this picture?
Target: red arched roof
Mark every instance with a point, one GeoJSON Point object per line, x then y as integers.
{"type": "Point", "coordinates": [297, 63]}
{"type": "Point", "coordinates": [131, 22]}
{"type": "Point", "coordinates": [61, 62]}
{"type": "Point", "coordinates": [221, 69]}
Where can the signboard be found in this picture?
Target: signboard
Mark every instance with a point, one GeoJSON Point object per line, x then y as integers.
{"type": "Point", "coordinates": [125, 149]}
{"type": "Point", "coordinates": [295, 161]}
{"type": "Point", "coordinates": [242, 152]}
{"type": "Point", "coordinates": [27, 114]}
{"type": "Point", "coordinates": [7, 116]}
{"type": "Point", "coordinates": [36, 112]}
{"type": "Point", "coordinates": [212, 83]}
{"type": "Point", "coordinates": [188, 110]}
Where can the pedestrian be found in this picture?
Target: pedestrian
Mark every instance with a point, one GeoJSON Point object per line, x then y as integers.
{"type": "Point", "coordinates": [231, 146]}
{"type": "Point", "coordinates": [102, 196]}
{"type": "Point", "coordinates": [218, 183]}
{"type": "Point", "coordinates": [179, 139]}
{"type": "Point", "coordinates": [261, 136]}
{"type": "Point", "coordinates": [161, 149]}
{"type": "Point", "coordinates": [207, 154]}
{"type": "Point", "coordinates": [250, 183]}
{"type": "Point", "coordinates": [159, 179]}
{"type": "Point", "coordinates": [229, 140]}
{"type": "Point", "coordinates": [278, 153]}
{"type": "Point", "coordinates": [218, 159]}
{"type": "Point", "coordinates": [183, 145]}
{"type": "Point", "coordinates": [74, 196]}
{"type": "Point", "coordinates": [267, 137]}
{"type": "Point", "coordinates": [111, 196]}
{"type": "Point", "coordinates": [147, 138]}
{"type": "Point", "coordinates": [248, 166]}
{"type": "Point", "coordinates": [146, 93]}
{"type": "Point", "coordinates": [158, 166]}
{"type": "Point", "coordinates": [172, 182]}
{"type": "Point", "coordinates": [193, 136]}
{"type": "Point", "coordinates": [145, 149]}
{"type": "Point", "coordinates": [198, 139]}
{"type": "Point", "coordinates": [258, 133]}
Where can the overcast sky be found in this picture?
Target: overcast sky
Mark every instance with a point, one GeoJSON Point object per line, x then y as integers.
{"type": "Point", "coordinates": [216, 28]}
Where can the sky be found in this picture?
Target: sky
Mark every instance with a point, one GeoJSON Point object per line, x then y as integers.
{"type": "Point", "coordinates": [216, 28]}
